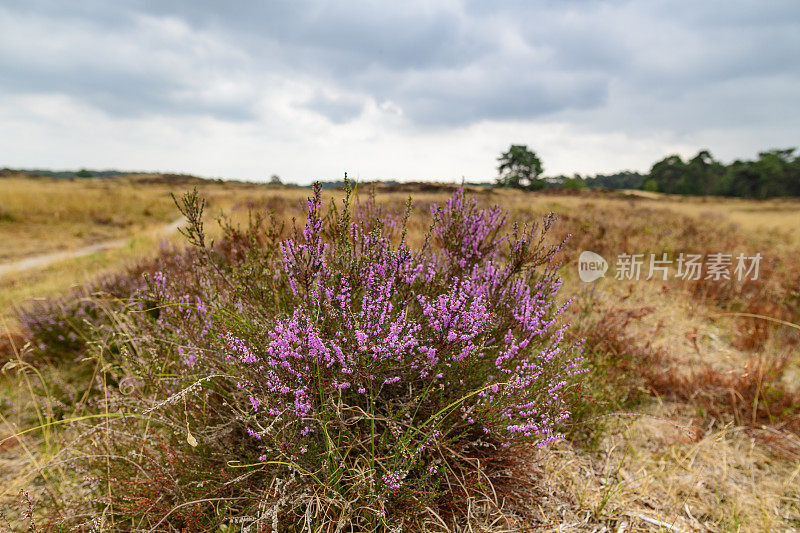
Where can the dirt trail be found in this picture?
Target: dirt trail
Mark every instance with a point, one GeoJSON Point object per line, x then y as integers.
{"type": "Point", "coordinates": [43, 260]}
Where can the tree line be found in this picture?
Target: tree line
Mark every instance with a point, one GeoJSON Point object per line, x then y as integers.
{"type": "Point", "coordinates": [775, 173]}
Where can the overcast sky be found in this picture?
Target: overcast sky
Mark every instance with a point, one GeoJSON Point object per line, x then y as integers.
{"type": "Point", "coordinates": [405, 90]}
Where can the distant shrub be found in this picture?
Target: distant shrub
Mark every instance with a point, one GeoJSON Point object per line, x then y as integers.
{"type": "Point", "coordinates": [59, 328]}
{"type": "Point", "coordinates": [574, 183]}
{"type": "Point", "coordinates": [5, 216]}
{"type": "Point", "coordinates": [337, 378]}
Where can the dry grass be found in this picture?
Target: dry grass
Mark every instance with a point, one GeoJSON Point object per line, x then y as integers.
{"type": "Point", "coordinates": [41, 215]}
{"type": "Point", "coordinates": [44, 215]}
{"type": "Point", "coordinates": [703, 434]}
{"type": "Point", "coordinates": [651, 475]}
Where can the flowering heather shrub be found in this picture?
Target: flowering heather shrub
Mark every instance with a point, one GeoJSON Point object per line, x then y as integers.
{"type": "Point", "coordinates": [59, 328]}
{"type": "Point", "coordinates": [342, 372]}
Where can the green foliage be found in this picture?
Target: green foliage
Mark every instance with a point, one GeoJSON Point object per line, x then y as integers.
{"type": "Point", "coordinates": [668, 174]}
{"type": "Point", "coordinates": [774, 173]}
{"type": "Point", "coordinates": [520, 168]}
{"type": "Point", "coordinates": [650, 185]}
{"type": "Point", "coordinates": [574, 183]}
{"type": "Point", "coordinates": [621, 180]}
{"type": "Point", "coordinates": [83, 173]}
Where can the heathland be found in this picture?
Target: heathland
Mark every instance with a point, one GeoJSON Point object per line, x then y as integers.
{"type": "Point", "coordinates": [115, 412]}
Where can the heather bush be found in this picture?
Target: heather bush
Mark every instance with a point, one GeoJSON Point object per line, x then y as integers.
{"type": "Point", "coordinates": [332, 378]}
{"type": "Point", "coordinates": [61, 327]}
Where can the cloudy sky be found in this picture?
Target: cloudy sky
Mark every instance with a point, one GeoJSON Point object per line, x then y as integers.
{"type": "Point", "coordinates": [405, 90]}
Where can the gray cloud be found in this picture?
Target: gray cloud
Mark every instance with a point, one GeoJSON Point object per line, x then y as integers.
{"type": "Point", "coordinates": [450, 64]}
{"type": "Point", "coordinates": [338, 110]}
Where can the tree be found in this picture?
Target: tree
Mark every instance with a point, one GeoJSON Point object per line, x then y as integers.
{"type": "Point", "coordinates": [275, 180]}
{"type": "Point", "coordinates": [621, 180]}
{"type": "Point", "coordinates": [575, 182]}
{"type": "Point", "coordinates": [742, 179]}
{"type": "Point", "coordinates": [775, 169]}
{"type": "Point", "coordinates": [83, 173]}
{"type": "Point", "coordinates": [702, 174]}
{"type": "Point", "coordinates": [667, 174]}
{"type": "Point", "coordinates": [520, 168]}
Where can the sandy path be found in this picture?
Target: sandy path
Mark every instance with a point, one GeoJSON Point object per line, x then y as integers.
{"type": "Point", "coordinates": [43, 260]}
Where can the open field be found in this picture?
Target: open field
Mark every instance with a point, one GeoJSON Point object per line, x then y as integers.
{"type": "Point", "coordinates": [689, 416]}
{"type": "Point", "coordinates": [43, 216]}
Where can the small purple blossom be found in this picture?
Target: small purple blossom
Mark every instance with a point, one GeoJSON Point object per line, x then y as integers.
{"type": "Point", "coordinates": [393, 480]}
{"type": "Point", "coordinates": [255, 402]}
